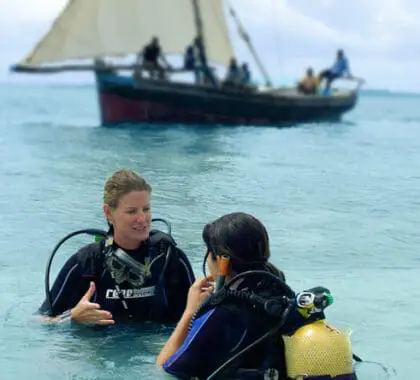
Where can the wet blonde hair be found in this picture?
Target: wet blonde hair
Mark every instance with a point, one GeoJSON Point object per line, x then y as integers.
{"type": "Point", "coordinates": [122, 182]}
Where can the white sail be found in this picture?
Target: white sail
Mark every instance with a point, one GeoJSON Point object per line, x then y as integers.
{"type": "Point", "coordinates": [99, 28]}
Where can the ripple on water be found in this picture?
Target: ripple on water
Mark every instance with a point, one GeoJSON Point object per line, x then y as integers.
{"type": "Point", "coordinates": [340, 202]}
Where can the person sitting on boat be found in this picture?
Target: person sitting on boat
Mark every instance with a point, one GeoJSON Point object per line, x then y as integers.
{"type": "Point", "coordinates": [189, 58]}
{"type": "Point", "coordinates": [103, 66]}
{"type": "Point", "coordinates": [233, 74]}
{"type": "Point", "coordinates": [245, 75]}
{"type": "Point", "coordinates": [251, 308]}
{"type": "Point", "coordinates": [134, 273]}
{"type": "Point", "coordinates": [151, 54]}
{"type": "Point", "coordinates": [210, 77]}
{"type": "Point", "coordinates": [309, 84]}
{"type": "Point", "coordinates": [339, 69]}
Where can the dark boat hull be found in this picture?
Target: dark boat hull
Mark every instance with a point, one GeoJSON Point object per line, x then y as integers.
{"type": "Point", "coordinates": [122, 100]}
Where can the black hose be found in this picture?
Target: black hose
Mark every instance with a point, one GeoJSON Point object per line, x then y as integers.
{"type": "Point", "coordinates": [267, 335]}
{"type": "Point", "coordinates": [289, 296]}
{"type": "Point", "coordinates": [357, 358]}
{"type": "Point", "coordinates": [88, 231]}
{"type": "Point", "coordinates": [168, 224]}
{"type": "Point", "coordinates": [289, 293]}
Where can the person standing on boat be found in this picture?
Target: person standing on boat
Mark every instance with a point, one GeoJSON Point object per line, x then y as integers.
{"type": "Point", "coordinates": [194, 59]}
{"type": "Point", "coordinates": [150, 55]}
{"type": "Point", "coordinates": [339, 69]}
{"type": "Point", "coordinates": [134, 274]}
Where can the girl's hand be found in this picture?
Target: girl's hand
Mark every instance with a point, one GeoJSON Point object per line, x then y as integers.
{"type": "Point", "coordinates": [198, 292]}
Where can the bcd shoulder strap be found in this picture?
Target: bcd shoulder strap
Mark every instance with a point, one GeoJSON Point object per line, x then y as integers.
{"type": "Point", "coordinates": [159, 237]}
{"type": "Point", "coordinates": [163, 241]}
{"type": "Point", "coordinates": [90, 258]}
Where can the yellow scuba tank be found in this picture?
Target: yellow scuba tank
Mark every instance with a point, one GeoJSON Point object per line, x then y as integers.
{"type": "Point", "coordinates": [317, 348]}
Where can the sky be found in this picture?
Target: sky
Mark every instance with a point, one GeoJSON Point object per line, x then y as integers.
{"type": "Point", "coordinates": [380, 37]}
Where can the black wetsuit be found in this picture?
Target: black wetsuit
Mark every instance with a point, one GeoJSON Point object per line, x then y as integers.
{"type": "Point", "coordinates": [159, 299]}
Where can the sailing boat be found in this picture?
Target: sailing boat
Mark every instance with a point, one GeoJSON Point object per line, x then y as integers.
{"type": "Point", "coordinates": [100, 29]}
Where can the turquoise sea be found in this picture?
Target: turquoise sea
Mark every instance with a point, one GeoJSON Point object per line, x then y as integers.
{"type": "Point", "coordinates": [340, 201]}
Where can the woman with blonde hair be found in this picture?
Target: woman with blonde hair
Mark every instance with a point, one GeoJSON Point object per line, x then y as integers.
{"type": "Point", "coordinates": [135, 273]}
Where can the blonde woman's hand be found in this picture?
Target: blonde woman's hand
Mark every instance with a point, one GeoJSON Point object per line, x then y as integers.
{"type": "Point", "coordinates": [91, 313]}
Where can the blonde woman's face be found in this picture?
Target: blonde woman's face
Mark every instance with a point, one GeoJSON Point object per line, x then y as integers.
{"type": "Point", "coordinates": [131, 219]}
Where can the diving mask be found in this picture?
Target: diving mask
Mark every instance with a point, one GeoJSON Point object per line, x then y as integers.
{"type": "Point", "coordinates": [123, 268]}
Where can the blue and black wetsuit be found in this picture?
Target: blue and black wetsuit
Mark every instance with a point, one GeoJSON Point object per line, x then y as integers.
{"type": "Point", "coordinates": [218, 334]}
{"type": "Point", "coordinates": [160, 299]}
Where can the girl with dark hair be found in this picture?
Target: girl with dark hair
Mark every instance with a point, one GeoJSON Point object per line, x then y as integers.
{"type": "Point", "coordinates": [244, 239]}
{"type": "Point", "coordinates": [205, 339]}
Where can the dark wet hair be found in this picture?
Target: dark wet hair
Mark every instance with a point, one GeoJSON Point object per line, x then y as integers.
{"type": "Point", "coordinates": [243, 238]}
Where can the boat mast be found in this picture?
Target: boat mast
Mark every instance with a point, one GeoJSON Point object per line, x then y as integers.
{"type": "Point", "coordinates": [245, 36]}
{"type": "Point", "coordinates": [199, 28]}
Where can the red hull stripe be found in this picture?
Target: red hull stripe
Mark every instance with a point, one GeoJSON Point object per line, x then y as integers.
{"type": "Point", "coordinates": [116, 109]}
